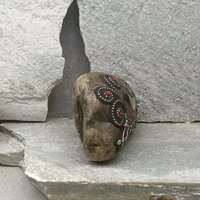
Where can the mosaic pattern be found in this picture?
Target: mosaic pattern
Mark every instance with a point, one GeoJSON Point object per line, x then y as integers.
{"type": "Point", "coordinates": [106, 95]}
{"type": "Point", "coordinates": [121, 111]}
{"type": "Point", "coordinates": [111, 81]}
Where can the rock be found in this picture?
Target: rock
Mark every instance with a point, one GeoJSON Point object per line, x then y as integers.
{"type": "Point", "coordinates": [14, 185]}
{"type": "Point", "coordinates": [11, 148]}
{"type": "Point", "coordinates": [160, 160]}
{"type": "Point", "coordinates": [154, 45]}
{"type": "Point", "coordinates": [105, 114]}
{"type": "Point", "coordinates": [31, 63]}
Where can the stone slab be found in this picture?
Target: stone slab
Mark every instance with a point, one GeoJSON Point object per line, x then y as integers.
{"type": "Point", "coordinates": [159, 159]}
{"type": "Point", "coordinates": [31, 58]}
{"type": "Point", "coordinates": [11, 148]}
{"type": "Point", "coordinates": [154, 45]}
{"type": "Point", "coordinates": [14, 185]}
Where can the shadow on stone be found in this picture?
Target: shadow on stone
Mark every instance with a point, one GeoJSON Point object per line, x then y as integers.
{"type": "Point", "coordinates": [76, 64]}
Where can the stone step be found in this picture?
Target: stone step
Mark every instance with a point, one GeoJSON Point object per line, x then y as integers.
{"type": "Point", "coordinates": [14, 185]}
{"type": "Point", "coordinates": [12, 148]}
{"type": "Point", "coordinates": [161, 161]}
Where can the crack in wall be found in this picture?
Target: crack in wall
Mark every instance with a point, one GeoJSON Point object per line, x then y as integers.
{"type": "Point", "coordinates": [76, 64]}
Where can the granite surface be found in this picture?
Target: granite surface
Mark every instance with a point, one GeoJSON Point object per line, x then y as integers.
{"type": "Point", "coordinates": [14, 185]}
{"type": "Point", "coordinates": [158, 159]}
{"type": "Point", "coordinates": [154, 45]}
{"type": "Point", "coordinates": [31, 61]}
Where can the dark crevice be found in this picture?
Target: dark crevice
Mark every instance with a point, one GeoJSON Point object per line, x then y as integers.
{"type": "Point", "coordinates": [76, 64]}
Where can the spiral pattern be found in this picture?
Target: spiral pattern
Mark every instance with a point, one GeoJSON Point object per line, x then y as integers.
{"type": "Point", "coordinates": [106, 95]}
{"type": "Point", "coordinates": [118, 113]}
{"type": "Point", "coordinates": [111, 81]}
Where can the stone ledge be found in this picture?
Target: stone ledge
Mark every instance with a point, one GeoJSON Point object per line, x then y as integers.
{"type": "Point", "coordinates": [11, 148]}
{"type": "Point", "coordinates": [14, 185]}
{"type": "Point", "coordinates": [158, 159]}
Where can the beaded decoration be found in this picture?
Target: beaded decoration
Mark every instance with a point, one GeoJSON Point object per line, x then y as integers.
{"type": "Point", "coordinates": [106, 95]}
{"type": "Point", "coordinates": [128, 88]}
{"type": "Point", "coordinates": [120, 113]}
{"type": "Point", "coordinates": [111, 81]}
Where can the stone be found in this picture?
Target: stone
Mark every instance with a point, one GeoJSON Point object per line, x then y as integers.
{"type": "Point", "coordinates": [11, 148]}
{"type": "Point", "coordinates": [160, 160]}
{"type": "Point", "coordinates": [154, 46]}
{"type": "Point", "coordinates": [160, 197]}
{"type": "Point", "coordinates": [31, 63]}
{"type": "Point", "coordinates": [105, 114]}
{"type": "Point", "coordinates": [14, 185]}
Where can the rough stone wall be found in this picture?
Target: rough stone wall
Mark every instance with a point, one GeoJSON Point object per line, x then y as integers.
{"type": "Point", "coordinates": [154, 45]}
{"type": "Point", "coordinates": [30, 56]}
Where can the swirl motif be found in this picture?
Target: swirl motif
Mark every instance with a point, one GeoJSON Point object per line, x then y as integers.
{"type": "Point", "coordinates": [128, 88]}
{"type": "Point", "coordinates": [120, 114]}
{"type": "Point", "coordinates": [106, 95]}
{"type": "Point", "coordinates": [111, 81]}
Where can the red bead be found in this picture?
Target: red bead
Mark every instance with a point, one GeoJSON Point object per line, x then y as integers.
{"type": "Point", "coordinates": [120, 113]}
{"type": "Point", "coordinates": [114, 78]}
{"type": "Point", "coordinates": [108, 93]}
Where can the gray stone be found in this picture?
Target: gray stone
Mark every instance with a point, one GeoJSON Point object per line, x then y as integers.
{"type": "Point", "coordinates": [154, 45]}
{"type": "Point", "coordinates": [31, 63]}
{"type": "Point", "coordinates": [11, 148]}
{"type": "Point", "coordinates": [160, 159]}
{"type": "Point", "coordinates": [14, 185]}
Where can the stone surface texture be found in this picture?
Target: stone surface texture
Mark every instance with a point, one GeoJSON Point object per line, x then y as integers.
{"type": "Point", "coordinates": [160, 159]}
{"type": "Point", "coordinates": [154, 45]}
{"type": "Point", "coordinates": [31, 61]}
{"type": "Point", "coordinates": [14, 185]}
{"type": "Point", "coordinates": [11, 148]}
